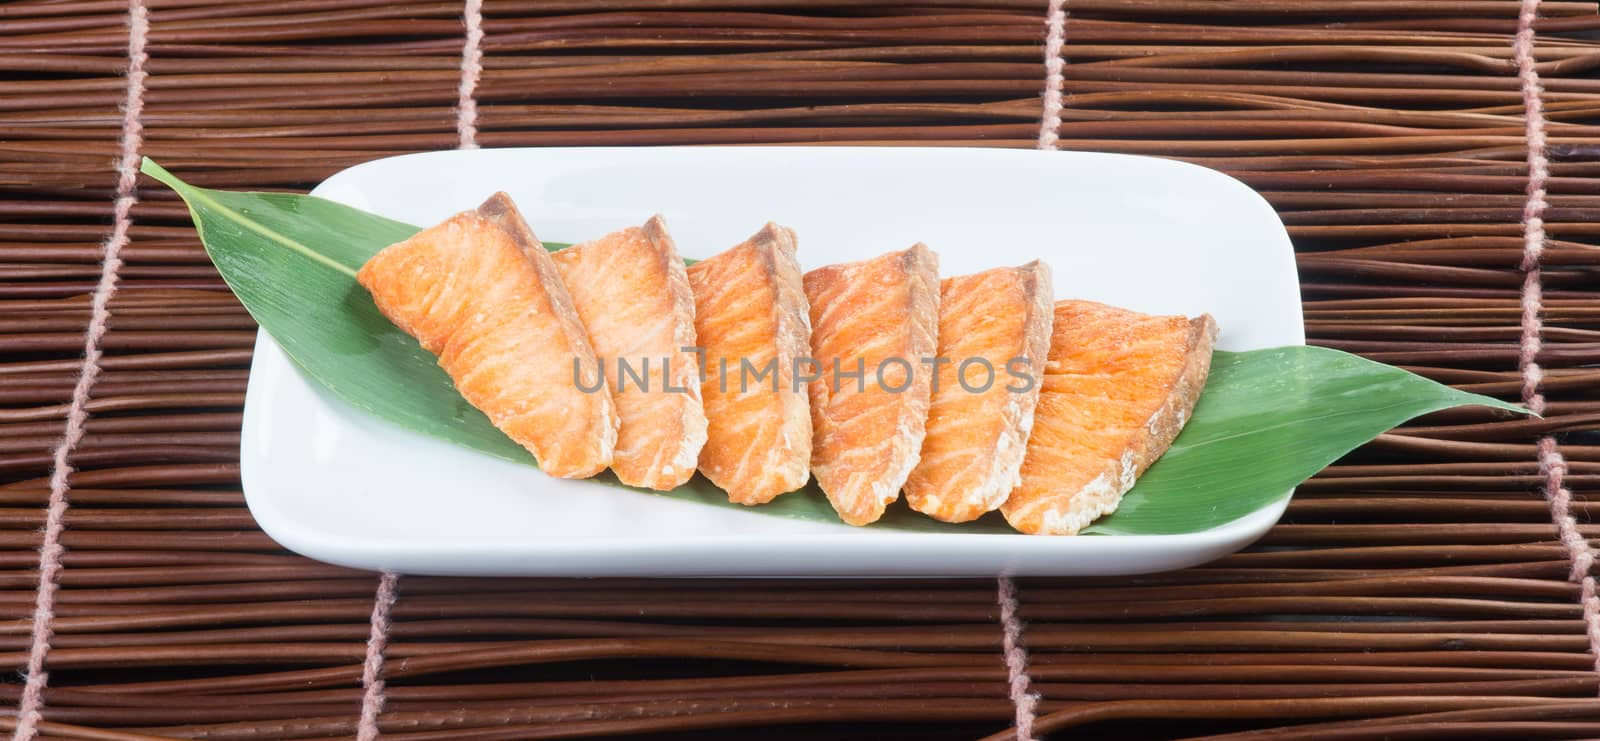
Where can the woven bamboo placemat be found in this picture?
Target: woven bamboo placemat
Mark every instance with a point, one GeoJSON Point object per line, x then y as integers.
{"type": "Point", "coordinates": [1435, 162]}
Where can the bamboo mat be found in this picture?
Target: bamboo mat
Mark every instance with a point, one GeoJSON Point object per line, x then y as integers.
{"type": "Point", "coordinates": [1426, 587]}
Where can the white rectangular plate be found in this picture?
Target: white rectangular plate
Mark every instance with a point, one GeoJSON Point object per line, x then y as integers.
{"type": "Point", "coordinates": [330, 482]}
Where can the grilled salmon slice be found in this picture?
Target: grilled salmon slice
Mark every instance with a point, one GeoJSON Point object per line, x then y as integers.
{"type": "Point", "coordinates": [977, 431]}
{"type": "Point", "coordinates": [1118, 387]}
{"type": "Point", "coordinates": [750, 318]}
{"type": "Point", "coordinates": [879, 317]}
{"type": "Point", "coordinates": [480, 292]}
{"type": "Point", "coordinates": [632, 292]}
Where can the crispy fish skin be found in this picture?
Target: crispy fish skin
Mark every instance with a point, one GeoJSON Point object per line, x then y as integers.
{"type": "Point", "coordinates": [632, 292]}
{"type": "Point", "coordinates": [750, 308]}
{"type": "Point", "coordinates": [867, 436]}
{"type": "Point", "coordinates": [496, 314]}
{"type": "Point", "coordinates": [975, 440]}
{"type": "Point", "coordinates": [1118, 388]}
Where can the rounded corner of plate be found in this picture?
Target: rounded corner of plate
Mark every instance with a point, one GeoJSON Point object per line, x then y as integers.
{"type": "Point", "coordinates": [290, 534]}
{"type": "Point", "coordinates": [1256, 524]}
{"type": "Point", "coordinates": [1248, 195]}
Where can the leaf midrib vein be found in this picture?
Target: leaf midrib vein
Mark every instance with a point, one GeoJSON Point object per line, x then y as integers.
{"type": "Point", "coordinates": [238, 215]}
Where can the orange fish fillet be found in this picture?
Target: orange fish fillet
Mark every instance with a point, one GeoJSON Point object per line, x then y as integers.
{"type": "Point", "coordinates": [751, 318]}
{"type": "Point", "coordinates": [977, 432]}
{"type": "Point", "coordinates": [1118, 388]}
{"type": "Point", "coordinates": [480, 292]}
{"type": "Point", "coordinates": [632, 292]}
{"type": "Point", "coordinates": [880, 316]}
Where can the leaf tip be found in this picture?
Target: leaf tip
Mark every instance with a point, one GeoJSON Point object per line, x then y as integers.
{"type": "Point", "coordinates": [1507, 406]}
{"type": "Point", "coordinates": [150, 167]}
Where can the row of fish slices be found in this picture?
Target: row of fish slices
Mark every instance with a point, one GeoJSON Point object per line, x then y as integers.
{"type": "Point", "coordinates": [508, 319]}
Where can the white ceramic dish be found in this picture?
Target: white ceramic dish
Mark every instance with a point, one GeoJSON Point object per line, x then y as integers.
{"type": "Point", "coordinates": [330, 482]}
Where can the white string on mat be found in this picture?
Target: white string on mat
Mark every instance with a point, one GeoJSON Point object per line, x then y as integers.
{"type": "Point", "coordinates": [1055, 41]}
{"type": "Point", "coordinates": [471, 70]}
{"type": "Point", "coordinates": [31, 704]}
{"type": "Point", "coordinates": [1016, 655]}
{"type": "Point", "coordinates": [1551, 463]}
{"type": "Point", "coordinates": [372, 697]}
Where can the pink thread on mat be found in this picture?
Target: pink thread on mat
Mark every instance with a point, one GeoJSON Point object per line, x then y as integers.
{"type": "Point", "coordinates": [1016, 655]}
{"type": "Point", "coordinates": [50, 551]}
{"type": "Point", "coordinates": [1554, 468]}
{"type": "Point", "coordinates": [372, 669]}
{"type": "Point", "coordinates": [1551, 463]}
{"type": "Point", "coordinates": [1054, 80]}
{"type": "Point", "coordinates": [1533, 210]}
{"type": "Point", "coordinates": [471, 70]}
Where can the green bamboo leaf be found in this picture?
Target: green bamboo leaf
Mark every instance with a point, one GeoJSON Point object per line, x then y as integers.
{"type": "Point", "coordinates": [1267, 420]}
